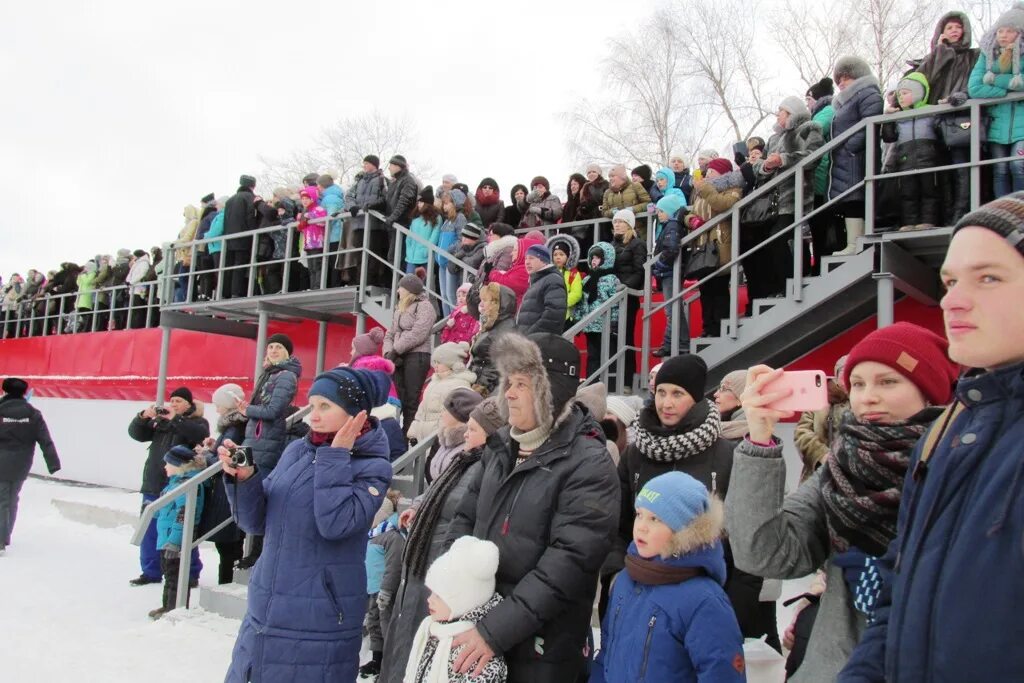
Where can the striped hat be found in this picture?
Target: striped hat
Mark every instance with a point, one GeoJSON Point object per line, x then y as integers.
{"type": "Point", "coordinates": [1004, 216]}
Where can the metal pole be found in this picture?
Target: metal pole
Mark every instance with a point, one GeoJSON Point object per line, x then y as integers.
{"type": "Point", "coordinates": [185, 558]}
{"type": "Point", "coordinates": [870, 154]}
{"type": "Point", "coordinates": [734, 277]}
{"type": "Point", "coordinates": [165, 350]}
{"type": "Point", "coordinates": [606, 331]}
{"type": "Point", "coordinates": [975, 169]}
{"type": "Point", "coordinates": [321, 346]}
{"type": "Point", "coordinates": [645, 328]}
{"type": "Point", "coordinates": [886, 299]}
{"type": "Point", "coordinates": [624, 344]}
{"type": "Point", "coordinates": [677, 281]}
{"type": "Point", "coordinates": [798, 235]}
{"type": "Point", "coordinates": [286, 276]}
{"type": "Point", "coordinates": [261, 345]}
{"type": "Point", "coordinates": [364, 255]}
{"type": "Point", "coordinates": [251, 266]}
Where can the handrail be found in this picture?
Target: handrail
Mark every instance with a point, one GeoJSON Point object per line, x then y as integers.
{"type": "Point", "coordinates": [415, 458]}
{"type": "Point", "coordinates": [190, 489]}
{"type": "Point", "coordinates": [617, 300]}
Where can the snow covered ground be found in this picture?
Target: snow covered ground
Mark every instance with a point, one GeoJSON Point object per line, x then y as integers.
{"type": "Point", "coordinates": [68, 613]}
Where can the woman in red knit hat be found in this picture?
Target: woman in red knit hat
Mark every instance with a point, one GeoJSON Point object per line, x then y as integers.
{"type": "Point", "coordinates": [843, 516]}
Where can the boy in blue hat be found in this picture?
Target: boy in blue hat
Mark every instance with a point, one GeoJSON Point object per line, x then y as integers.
{"type": "Point", "coordinates": [180, 464]}
{"type": "Point", "coordinates": [668, 617]}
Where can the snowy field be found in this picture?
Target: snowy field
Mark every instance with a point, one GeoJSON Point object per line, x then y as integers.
{"type": "Point", "coordinates": [67, 612]}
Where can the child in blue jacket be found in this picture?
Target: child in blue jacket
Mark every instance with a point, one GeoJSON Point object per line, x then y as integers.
{"type": "Point", "coordinates": [181, 464]}
{"type": "Point", "coordinates": [668, 618]}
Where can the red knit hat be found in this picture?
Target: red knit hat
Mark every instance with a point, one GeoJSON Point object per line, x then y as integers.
{"type": "Point", "coordinates": [918, 354]}
{"type": "Point", "coordinates": [721, 165]}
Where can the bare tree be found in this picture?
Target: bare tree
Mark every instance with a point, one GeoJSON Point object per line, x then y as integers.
{"type": "Point", "coordinates": [652, 108]}
{"type": "Point", "coordinates": [893, 31]}
{"type": "Point", "coordinates": [721, 54]}
{"type": "Point", "coordinates": [813, 35]}
{"type": "Point", "coordinates": [339, 149]}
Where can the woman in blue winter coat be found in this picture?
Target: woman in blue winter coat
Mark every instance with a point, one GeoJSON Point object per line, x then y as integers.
{"type": "Point", "coordinates": [307, 594]}
{"type": "Point", "coordinates": [426, 224]}
{"type": "Point", "coordinates": [452, 203]}
{"type": "Point", "coordinates": [997, 73]}
{"type": "Point", "coordinates": [668, 617]}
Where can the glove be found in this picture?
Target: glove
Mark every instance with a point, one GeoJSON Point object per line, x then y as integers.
{"type": "Point", "coordinates": [172, 552]}
{"type": "Point", "coordinates": [957, 98]}
{"type": "Point", "coordinates": [534, 210]}
{"type": "Point", "coordinates": [354, 211]}
{"type": "Point", "coordinates": [55, 470]}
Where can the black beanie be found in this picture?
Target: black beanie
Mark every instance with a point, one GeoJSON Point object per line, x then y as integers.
{"type": "Point", "coordinates": [427, 195]}
{"type": "Point", "coordinates": [502, 229]}
{"type": "Point", "coordinates": [644, 171]}
{"type": "Point", "coordinates": [247, 181]}
{"type": "Point", "coordinates": [372, 159]}
{"type": "Point", "coordinates": [688, 371]}
{"type": "Point", "coordinates": [15, 387]}
{"type": "Point", "coordinates": [822, 88]}
{"type": "Point", "coordinates": [183, 393]}
{"type": "Point", "coordinates": [283, 340]}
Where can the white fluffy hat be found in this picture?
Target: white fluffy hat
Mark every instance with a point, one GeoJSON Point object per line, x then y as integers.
{"type": "Point", "coordinates": [464, 576]}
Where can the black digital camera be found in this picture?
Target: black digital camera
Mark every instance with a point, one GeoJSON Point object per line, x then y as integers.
{"type": "Point", "coordinates": [241, 456]}
{"type": "Point", "coordinates": [163, 412]}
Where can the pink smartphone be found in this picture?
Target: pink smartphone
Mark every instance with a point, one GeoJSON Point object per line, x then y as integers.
{"type": "Point", "coordinates": [809, 391]}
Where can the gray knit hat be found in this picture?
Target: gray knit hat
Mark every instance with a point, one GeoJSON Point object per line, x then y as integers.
{"type": "Point", "coordinates": [411, 284]}
{"type": "Point", "coordinates": [1004, 216]}
{"type": "Point", "coordinates": [852, 66]}
{"type": "Point", "coordinates": [461, 402]}
{"type": "Point", "coordinates": [488, 415]}
{"type": "Point", "coordinates": [1012, 18]}
{"type": "Point", "coordinates": [452, 354]}
{"type": "Point", "coordinates": [794, 105]}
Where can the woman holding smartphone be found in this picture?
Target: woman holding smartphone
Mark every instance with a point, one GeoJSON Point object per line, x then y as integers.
{"type": "Point", "coordinates": [844, 515]}
{"type": "Point", "coordinates": [307, 594]}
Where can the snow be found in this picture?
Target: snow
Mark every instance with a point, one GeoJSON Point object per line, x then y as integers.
{"type": "Point", "coordinates": [68, 613]}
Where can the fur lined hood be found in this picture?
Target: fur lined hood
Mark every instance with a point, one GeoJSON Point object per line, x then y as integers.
{"type": "Point", "coordinates": [965, 21]}
{"type": "Point", "coordinates": [572, 243]}
{"type": "Point", "coordinates": [499, 245]}
{"type": "Point", "coordinates": [862, 83]}
{"type": "Point", "coordinates": [552, 389]}
{"type": "Point", "coordinates": [699, 544]}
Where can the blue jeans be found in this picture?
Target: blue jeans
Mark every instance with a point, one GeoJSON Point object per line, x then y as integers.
{"type": "Point", "coordinates": [684, 326]}
{"type": "Point", "coordinates": [449, 288]}
{"type": "Point", "coordinates": [1008, 177]}
{"type": "Point", "coordinates": [149, 556]}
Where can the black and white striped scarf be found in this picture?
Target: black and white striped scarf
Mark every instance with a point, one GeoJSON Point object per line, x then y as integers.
{"type": "Point", "coordinates": [697, 431]}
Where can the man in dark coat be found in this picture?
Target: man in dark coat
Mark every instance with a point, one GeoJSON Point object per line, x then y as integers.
{"type": "Point", "coordinates": [181, 422]}
{"type": "Point", "coordinates": [368, 192]}
{"type": "Point", "coordinates": [21, 428]}
{"type": "Point", "coordinates": [547, 496]}
{"type": "Point", "coordinates": [240, 216]}
{"type": "Point", "coordinates": [545, 302]}
{"type": "Point", "coordinates": [401, 201]}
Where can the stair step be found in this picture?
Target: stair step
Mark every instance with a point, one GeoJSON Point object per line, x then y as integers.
{"type": "Point", "coordinates": [228, 600]}
{"type": "Point", "coordinates": [762, 305]}
{"type": "Point", "coordinates": [242, 576]}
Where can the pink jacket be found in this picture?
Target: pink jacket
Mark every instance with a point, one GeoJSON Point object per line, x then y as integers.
{"type": "Point", "coordinates": [460, 327]}
{"type": "Point", "coordinates": [313, 232]}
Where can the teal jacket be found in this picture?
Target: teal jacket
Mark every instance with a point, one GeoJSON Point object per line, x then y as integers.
{"type": "Point", "coordinates": [607, 285]}
{"type": "Point", "coordinates": [416, 253]}
{"type": "Point", "coordinates": [1006, 123]}
{"type": "Point", "coordinates": [170, 521]}
{"type": "Point", "coordinates": [216, 230]}
{"type": "Point", "coordinates": [823, 113]}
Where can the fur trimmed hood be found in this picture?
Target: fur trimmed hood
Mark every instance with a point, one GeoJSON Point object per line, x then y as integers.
{"type": "Point", "coordinates": [572, 244]}
{"type": "Point", "coordinates": [699, 544]}
{"type": "Point", "coordinates": [500, 244]}
{"type": "Point", "coordinates": [964, 20]}
{"type": "Point", "coordinates": [728, 181]}
{"type": "Point", "coordinates": [552, 389]}
{"type": "Point", "coordinates": [844, 96]}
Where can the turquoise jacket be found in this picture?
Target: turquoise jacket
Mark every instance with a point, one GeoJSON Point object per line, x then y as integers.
{"type": "Point", "coordinates": [333, 201]}
{"type": "Point", "coordinates": [607, 285]}
{"type": "Point", "coordinates": [1006, 123]}
{"type": "Point", "coordinates": [823, 117]}
{"type": "Point", "coordinates": [216, 230]}
{"type": "Point", "coordinates": [170, 521]}
{"type": "Point", "coordinates": [416, 253]}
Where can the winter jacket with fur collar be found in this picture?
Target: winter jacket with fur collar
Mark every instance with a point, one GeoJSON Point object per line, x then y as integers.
{"type": "Point", "coordinates": [712, 197]}
{"type": "Point", "coordinates": [552, 519]}
{"type": "Point", "coordinates": [860, 100]}
{"type": "Point", "coordinates": [633, 196]}
{"type": "Point", "coordinates": [431, 406]}
{"type": "Point", "coordinates": [948, 67]}
{"type": "Point", "coordinates": [801, 138]}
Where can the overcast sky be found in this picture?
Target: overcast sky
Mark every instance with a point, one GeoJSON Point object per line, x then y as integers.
{"type": "Point", "coordinates": [117, 114]}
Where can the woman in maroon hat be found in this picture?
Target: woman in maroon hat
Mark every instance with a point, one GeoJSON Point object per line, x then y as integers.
{"type": "Point", "coordinates": [844, 515]}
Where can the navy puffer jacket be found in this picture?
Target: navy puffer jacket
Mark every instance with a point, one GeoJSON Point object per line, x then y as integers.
{"type": "Point", "coordinates": [267, 430]}
{"type": "Point", "coordinates": [860, 99]}
{"type": "Point", "coordinates": [307, 594]}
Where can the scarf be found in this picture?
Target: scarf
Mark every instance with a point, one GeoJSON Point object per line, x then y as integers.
{"type": "Point", "coordinates": [424, 526]}
{"type": "Point", "coordinates": [225, 422]}
{"type": "Point", "coordinates": [592, 281]}
{"type": "Point", "coordinates": [490, 200]}
{"type": "Point", "coordinates": [654, 573]}
{"type": "Point", "coordinates": [443, 634]}
{"type": "Point", "coordinates": [529, 441]}
{"type": "Point", "coordinates": [863, 480]}
{"type": "Point", "coordinates": [696, 433]}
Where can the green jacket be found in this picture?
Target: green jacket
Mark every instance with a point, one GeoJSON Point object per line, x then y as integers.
{"type": "Point", "coordinates": [85, 290]}
{"type": "Point", "coordinates": [823, 117]}
{"type": "Point", "coordinates": [1006, 123]}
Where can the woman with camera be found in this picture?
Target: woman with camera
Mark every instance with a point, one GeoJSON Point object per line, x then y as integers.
{"type": "Point", "coordinates": [307, 595]}
{"type": "Point", "coordinates": [844, 515]}
{"type": "Point", "coordinates": [266, 432]}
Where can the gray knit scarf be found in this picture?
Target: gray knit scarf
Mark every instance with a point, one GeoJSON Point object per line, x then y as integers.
{"type": "Point", "coordinates": [696, 433]}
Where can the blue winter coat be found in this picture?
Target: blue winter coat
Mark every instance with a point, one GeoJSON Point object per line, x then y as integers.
{"type": "Point", "coordinates": [307, 594]}
{"type": "Point", "coordinates": [666, 244]}
{"type": "Point", "coordinates": [607, 285]}
{"type": "Point", "coordinates": [170, 521]}
{"type": "Point", "coordinates": [415, 252]}
{"type": "Point", "coordinates": [216, 230]}
{"type": "Point", "coordinates": [1006, 124]}
{"type": "Point", "coordinates": [448, 238]}
{"type": "Point", "coordinates": [267, 432]}
{"type": "Point", "coordinates": [861, 99]}
{"type": "Point", "coordinates": [333, 202]}
{"type": "Point", "coordinates": [950, 606]}
{"type": "Point", "coordinates": [674, 632]}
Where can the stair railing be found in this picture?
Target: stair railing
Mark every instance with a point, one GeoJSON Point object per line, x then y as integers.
{"type": "Point", "coordinates": [795, 174]}
{"type": "Point", "coordinates": [190, 489]}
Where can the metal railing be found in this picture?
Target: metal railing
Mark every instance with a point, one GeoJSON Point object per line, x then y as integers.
{"type": "Point", "coordinates": [190, 489]}
{"type": "Point", "coordinates": [112, 308]}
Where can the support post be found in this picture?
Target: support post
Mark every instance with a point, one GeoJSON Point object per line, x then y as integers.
{"type": "Point", "coordinates": [321, 346]}
{"type": "Point", "coordinates": [165, 351]}
{"type": "Point", "coordinates": [734, 277]}
{"type": "Point", "coordinates": [261, 346]}
{"type": "Point", "coordinates": [870, 166]}
{"type": "Point", "coordinates": [185, 559]}
{"type": "Point", "coordinates": [886, 300]}
{"type": "Point", "coordinates": [624, 345]}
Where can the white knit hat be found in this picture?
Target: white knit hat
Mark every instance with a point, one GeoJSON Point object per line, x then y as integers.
{"type": "Point", "coordinates": [464, 576]}
{"type": "Point", "coordinates": [452, 354]}
{"type": "Point", "coordinates": [620, 408]}
{"type": "Point", "coordinates": [627, 216]}
{"type": "Point", "coordinates": [225, 395]}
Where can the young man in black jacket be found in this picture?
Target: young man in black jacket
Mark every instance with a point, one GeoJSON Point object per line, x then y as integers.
{"type": "Point", "coordinates": [180, 422]}
{"type": "Point", "coordinates": [21, 428]}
